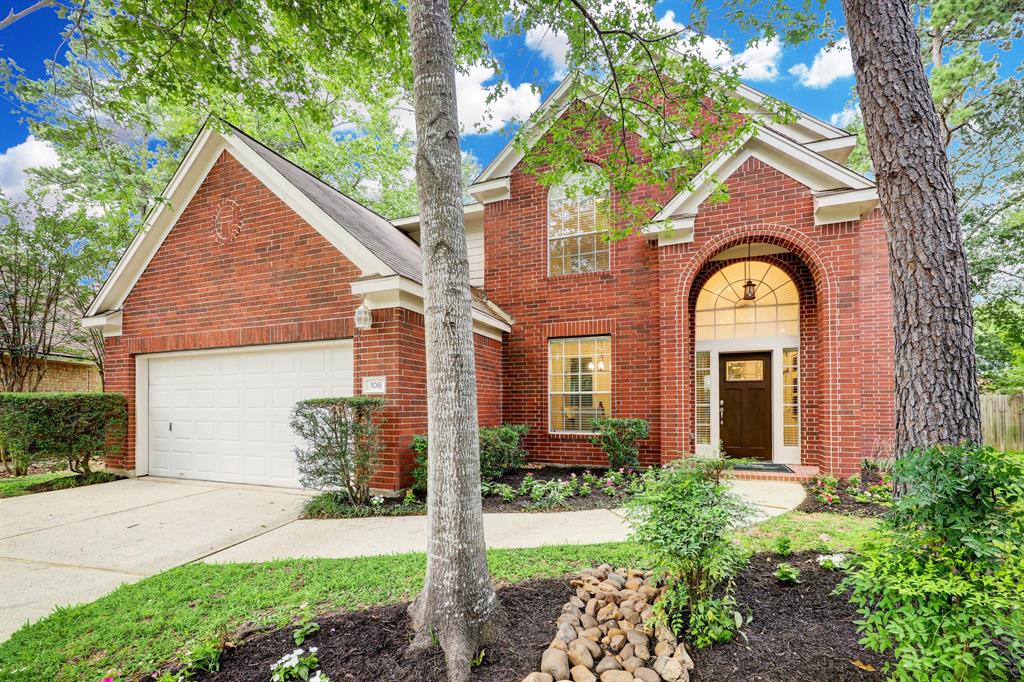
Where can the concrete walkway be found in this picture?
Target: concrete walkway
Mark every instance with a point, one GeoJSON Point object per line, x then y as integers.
{"type": "Point", "coordinates": [73, 546]}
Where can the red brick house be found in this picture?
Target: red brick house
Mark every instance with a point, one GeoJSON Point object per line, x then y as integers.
{"type": "Point", "coordinates": [761, 325]}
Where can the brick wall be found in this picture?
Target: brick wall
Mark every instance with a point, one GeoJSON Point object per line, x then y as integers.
{"type": "Point", "coordinates": [276, 281]}
{"type": "Point", "coordinates": [60, 376]}
{"type": "Point", "coordinates": [645, 304]}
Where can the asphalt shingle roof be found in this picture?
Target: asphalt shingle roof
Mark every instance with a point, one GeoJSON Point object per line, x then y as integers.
{"type": "Point", "coordinates": [398, 251]}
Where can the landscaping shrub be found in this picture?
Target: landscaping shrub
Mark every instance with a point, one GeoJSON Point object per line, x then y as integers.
{"type": "Point", "coordinates": [72, 428]}
{"type": "Point", "coordinates": [682, 517]}
{"type": "Point", "coordinates": [618, 438]}
{"type": "Point", "coordinates": [500, 451]}
{"type": "Point", "coordinates": [342, 443]}
{"type": "Point", "coordinates": [941, 583]}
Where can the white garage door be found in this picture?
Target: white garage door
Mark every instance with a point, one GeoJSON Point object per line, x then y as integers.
{"type": "Point", "coordinates": [224, 416]}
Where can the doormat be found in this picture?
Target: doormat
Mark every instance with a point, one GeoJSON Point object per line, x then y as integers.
{"type": "Point", "coordinates": [763, 466]}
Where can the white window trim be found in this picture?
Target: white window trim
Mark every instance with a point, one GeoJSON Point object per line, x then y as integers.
{"type": "Point", "coordinates": [781, 454]}
{"type": "Point", "coordinates": [549, 238]}
{"type": "Point", "coordinates": [611, 393]}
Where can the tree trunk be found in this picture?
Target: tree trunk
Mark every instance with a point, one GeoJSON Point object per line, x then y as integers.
{"type": "Point", "coordinates": [936, 385]}
{"type": "Point", "coordinates": [458, 605]}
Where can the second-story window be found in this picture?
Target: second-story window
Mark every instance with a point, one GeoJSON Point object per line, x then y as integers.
{"type": "Point", "coordinates": [578, 224]}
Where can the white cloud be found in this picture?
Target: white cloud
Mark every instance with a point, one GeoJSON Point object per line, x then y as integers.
{"type": "Point", "coordinates": [758, 62]}
{"type": "Point", "coordinates": [31, 153]}
{"type": "Point", "coordinates": [552, 44]}
{"type": "Point", "coordinates": [475, 113]}
{"type": "Point", "coordinates": [829, 65]}
{"type": "Point", "coordinates": [846, 116]}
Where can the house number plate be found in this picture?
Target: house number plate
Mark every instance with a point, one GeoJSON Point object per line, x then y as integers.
{"type": "Point", "coordinates": [375, 385]}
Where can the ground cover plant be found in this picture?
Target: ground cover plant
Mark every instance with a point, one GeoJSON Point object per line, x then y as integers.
{"type": "Point", "coordinates": [528, 489]}
{"type": "Point", "coordinates": [869, 493]}
{"type": "Point", "coordinates": [940, 585]}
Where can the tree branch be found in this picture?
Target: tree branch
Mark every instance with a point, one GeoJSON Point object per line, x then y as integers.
{"type": "Point", "coordinates": [13, 16]}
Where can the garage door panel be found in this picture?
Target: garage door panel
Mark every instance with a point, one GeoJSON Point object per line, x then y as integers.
{"type": "Point", "coordinates": [230, 411]}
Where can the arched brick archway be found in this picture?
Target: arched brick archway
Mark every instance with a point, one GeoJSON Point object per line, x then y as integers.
{"type": "Point", "coordinates": [817, 280]}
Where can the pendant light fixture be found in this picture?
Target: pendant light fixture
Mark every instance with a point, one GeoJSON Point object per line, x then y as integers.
{"type": "Point", "coordinates": [749, 288]}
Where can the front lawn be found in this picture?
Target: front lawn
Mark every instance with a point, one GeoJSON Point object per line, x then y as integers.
{"type": "Point", "coordinates": [140, 627]}
{"type": "Point", "coordinates": [15, 486]}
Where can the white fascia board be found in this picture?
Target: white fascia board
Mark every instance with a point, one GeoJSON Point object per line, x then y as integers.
{"type": "Point", "coordinates": [498, 189]}
{"type": "Point", "coordinates": [837, 149]}
{"type": "Point", "coordinates": [179, 193]}
{"type": "Point", "coordinates": [510, 155]}
{"type": "Point", "coordinates": [108, 323]}
{"type": "Point", "coordinates": [412, 222]}
{"type": "Point", "coordinates": [677, 230]}
{"type": "Point", "coordinates": [840, 207]}
{"type": "Point", "coordinates": [795, 160]}
{"type": "Point", "coordinates": [813, 125]}
{"type": "Point", "coordinates": [396, 291]}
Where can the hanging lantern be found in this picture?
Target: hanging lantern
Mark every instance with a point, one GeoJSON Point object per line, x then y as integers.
{"type": "Point", "coordinates": [749, 288]}
{"type": "Point", "coordinates": [363, 317]}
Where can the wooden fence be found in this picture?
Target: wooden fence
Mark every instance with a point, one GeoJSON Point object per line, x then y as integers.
{"type": "Point", "coordinates": [1002, 420]}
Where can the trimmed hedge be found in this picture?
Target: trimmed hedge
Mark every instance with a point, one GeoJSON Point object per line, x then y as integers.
{"type": "Point", "coordinates": [342, 441]}
{"type": "Point", "coordinates": [500, 451]}
{"type": "Point", "coordinates": [71, 427]}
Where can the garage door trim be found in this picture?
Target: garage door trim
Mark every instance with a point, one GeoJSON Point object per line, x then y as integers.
{"type": "Point", "coordinates": [142, 384]}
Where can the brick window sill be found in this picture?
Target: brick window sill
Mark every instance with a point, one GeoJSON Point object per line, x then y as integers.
{"type": "Point", "coordinates": [576, 276]}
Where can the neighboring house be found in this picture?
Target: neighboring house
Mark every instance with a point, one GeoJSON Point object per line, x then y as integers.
{"type": "Point", "coordinates": [239, 298]}
{"type": "Point", "coordinates": [67, 372]}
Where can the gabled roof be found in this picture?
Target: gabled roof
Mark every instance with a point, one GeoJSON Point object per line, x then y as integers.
{"type": "Point", "coordinates": [391, 245]}
{"type": "Point", "coordinates": [372, 243]}
{"type": "Point", "coordinates": [804, 130]}
{"type": "Point", "coordinates": [840, 194]}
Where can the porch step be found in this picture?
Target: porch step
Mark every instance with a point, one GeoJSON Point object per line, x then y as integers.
{"type": "Point", "coordinates": [801, 474]}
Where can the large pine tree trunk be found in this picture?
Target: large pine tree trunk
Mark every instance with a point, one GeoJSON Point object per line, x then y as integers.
{"type": "Point", "coordinates": [458, 604]}
{"type": "Point", "coordinates": [936, 386]}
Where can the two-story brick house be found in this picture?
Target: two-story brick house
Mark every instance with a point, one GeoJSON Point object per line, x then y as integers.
{"type": "Point", "coordinates": [761, 325]}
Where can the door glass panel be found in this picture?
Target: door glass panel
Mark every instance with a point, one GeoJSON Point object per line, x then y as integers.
{"type": "Point", "coordinates": [744, 370]}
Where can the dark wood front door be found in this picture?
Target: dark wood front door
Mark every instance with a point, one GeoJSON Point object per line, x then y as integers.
{"type": "Point", "coordinates": [745, 404]}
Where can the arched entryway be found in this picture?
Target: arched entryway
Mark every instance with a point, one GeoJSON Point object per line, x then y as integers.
{"type": "Point", "coordinates": [753, 334]}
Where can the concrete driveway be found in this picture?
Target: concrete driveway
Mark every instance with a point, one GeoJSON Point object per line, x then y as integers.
{"type": "Point", "coordinates": [72, 546]}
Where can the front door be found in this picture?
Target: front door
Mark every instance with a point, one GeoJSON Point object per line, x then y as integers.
{"type": "Point", "coordinates": [745, 405]}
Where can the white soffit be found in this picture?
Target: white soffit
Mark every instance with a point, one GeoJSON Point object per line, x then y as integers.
{"type": "Point", "coordinates": [472, 212]}
{"type": "Point", "coordinates": [186, 180]}
{"type": "Point", "coordinates": [395, 291]}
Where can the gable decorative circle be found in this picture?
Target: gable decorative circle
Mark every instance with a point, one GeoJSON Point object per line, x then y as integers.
{"type": "Point", "coordinates": [228, 222]}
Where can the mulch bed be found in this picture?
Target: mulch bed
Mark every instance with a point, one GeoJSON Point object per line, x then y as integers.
{"type": "Point", "coordinates": [798, 633]}
{"type": "Point", "coordinates": [371, 644]}
{"type": "Point", "coordinates": [597, 499]}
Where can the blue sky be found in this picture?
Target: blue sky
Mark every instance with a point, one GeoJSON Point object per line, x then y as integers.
{"type": "Point", "coordinates": [805, 75]}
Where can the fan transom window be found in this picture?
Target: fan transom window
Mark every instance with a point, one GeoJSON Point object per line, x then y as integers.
{"type": "Point", "coordinates": [722, 313]}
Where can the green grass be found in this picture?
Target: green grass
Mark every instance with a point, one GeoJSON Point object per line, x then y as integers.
{"type": "Point", "coordinates": [19, 485]}
{"type": "Point", "coordinates": [809, 532]}
{"type": "Point", "coordinates": [140, 627]}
